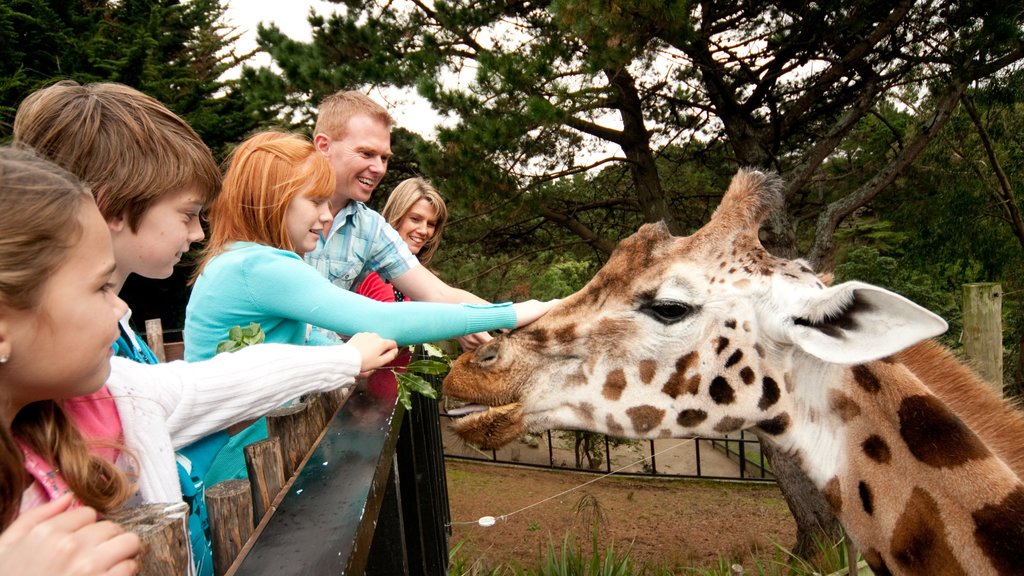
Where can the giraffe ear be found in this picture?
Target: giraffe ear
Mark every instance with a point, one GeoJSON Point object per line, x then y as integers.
{"type": "Point", "coordinates": [853, 323]}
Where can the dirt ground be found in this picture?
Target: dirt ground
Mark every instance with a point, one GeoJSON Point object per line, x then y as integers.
{"type": "Point", "coordinates": [672, 523]}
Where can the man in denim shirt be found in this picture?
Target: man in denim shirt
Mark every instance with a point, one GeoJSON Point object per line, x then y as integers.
{"type": "Point", "coordinates": [354, 133]}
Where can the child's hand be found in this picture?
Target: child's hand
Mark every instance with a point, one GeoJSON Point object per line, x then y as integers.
{"type": "Point", "coordinates": [530, 310]}
{"type": "Point", "coordinates": [51, 540]}
{"type": "Point", "coordinates": [375, 351]}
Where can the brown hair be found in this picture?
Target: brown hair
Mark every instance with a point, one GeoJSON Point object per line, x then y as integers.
{"type": "Point", "coordinates": [127, 146]}
{"type": "Point", "coordinates": [402, 198]}
{"type": "Point", "coordinates": [337, 109]}
{"type": "Point", "coordinates": [264, 174]}
{"type": "Point", "coordinates": [13, 471]}
{"type": "Point", "coordinates": [40, 205]}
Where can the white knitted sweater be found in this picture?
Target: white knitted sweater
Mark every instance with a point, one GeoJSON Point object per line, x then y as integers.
{"type": "Point", "coordinates": [164, 407]}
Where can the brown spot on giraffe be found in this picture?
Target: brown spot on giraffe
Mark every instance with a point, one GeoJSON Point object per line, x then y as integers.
{"type": "Point", "coordinates": [999, 532]}
{"type": "Point", "coordinates": [614, 384]}
{"type": "Point", "coordinates": [935, 435]}
{"type": "Point", "coordinates": [565, 333]}
{"type": "Point", "coordinates": [648, 368]}
{"type": "Point", "coordinates": [721, 392]}
{"type": "Point", "coordinates": [770, 393]}
{"type": "Point", "coordinates": [842, 405]}
{"type": "Point", "coordinates": [678, 383]}
{"type": "Point", "coordinates": [918, 544]}
{"type": "Point", "coordinates": [866, 379]}
{"type": "Point", "coordinates": [867, 500]}
{"type": "Point", "coordinates": [877, 449]}
{"type": "Point", "coordinates": [729, 424]}
{"type": "Point", "coordinates": [776, 425]}
{"type": "Point", "coordinates": [833, 495]}
{"type": "Point", "coordinates": [645, 418]}
{"type": "Point", "coordinates": [614, 428]}
{"type": "Point", "coordinates": [584, 411]}
{"type": "Point", "coordinates": [758, 348]}
{"type": "Point", "coordinates": [747, 375]}
{"type": "Point", "coordinates": [721, 344]}
{"type": "Point", "coordinates": [734, 358]}
{"type": "Point", "coordinates": [691, 418]}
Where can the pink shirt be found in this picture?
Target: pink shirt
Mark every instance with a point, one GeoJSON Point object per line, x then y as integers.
{"type": "Point", "coordinates": [96, 418]}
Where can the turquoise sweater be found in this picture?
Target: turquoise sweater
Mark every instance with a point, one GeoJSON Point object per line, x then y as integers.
{"type": "Point", "coordinates": [275, 288]}
{"type": "Point", "coordinates": [284, 295]}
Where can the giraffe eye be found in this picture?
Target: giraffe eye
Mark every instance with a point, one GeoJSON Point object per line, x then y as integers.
{"type": "Point", "coordinates": [667, 311]}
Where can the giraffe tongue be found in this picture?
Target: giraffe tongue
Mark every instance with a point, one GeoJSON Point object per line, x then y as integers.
{"type": "Point", "coordinates": [467, 409]}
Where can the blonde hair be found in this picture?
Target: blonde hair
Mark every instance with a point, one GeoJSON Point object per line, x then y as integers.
{"type": "Point", "coordinates": [337, 109]}
{"type": "Point", "coordinates": [127, 146]}
{"type": "Point", "coordinates": [264, 174]}
{"type": "Point", "coordinates": [40, 205]}
{"type": "Point", "coordinates": [401, 200]}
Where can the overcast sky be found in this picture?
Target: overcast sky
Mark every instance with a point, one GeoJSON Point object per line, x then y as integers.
{"type": "Point", "coordinates": [290, 16]}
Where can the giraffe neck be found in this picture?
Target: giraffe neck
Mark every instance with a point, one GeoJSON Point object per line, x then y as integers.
{"type": "Point", "coordinates": [918, 490]}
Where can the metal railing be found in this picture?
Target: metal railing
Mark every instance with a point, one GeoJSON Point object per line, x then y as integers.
{"type": "Point", "coordinates": [727, 457]}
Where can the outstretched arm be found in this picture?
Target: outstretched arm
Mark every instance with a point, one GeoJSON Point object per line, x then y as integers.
{"type": "Point", "coordinates": [424, 286]}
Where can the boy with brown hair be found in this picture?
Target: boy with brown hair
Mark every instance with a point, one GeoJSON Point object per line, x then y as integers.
{"type": "Point", "coordinates": [151, 175]}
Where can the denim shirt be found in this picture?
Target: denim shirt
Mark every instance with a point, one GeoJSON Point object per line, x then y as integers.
{"type": "Point", "coordinates": [360, 241]}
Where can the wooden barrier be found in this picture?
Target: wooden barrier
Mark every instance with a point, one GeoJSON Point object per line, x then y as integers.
{"type": "Point", "coordinates": [346, 506]}
{"type": "Point", "coordinates": [164, 533]}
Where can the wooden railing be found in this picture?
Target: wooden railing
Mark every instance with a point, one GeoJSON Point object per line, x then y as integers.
{"type": "Point", "coordinates": [325, 494]}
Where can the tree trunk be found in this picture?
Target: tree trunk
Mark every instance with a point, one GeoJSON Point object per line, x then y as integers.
{"type": "Point", "coordinates": [817, 527]}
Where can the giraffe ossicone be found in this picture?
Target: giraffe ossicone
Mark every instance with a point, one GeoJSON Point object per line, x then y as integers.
{"type": "Point", "coordinates": [708, 333]}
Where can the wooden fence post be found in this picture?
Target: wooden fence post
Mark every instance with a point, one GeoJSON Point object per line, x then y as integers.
{"type": "Point", "coordinates": [164, 534]}
{"type": "Point", "coordinates": [155, 338]}
{"type": "Point", "coordinates": [265, 465]}
{"type": "Point", "coordinates": [983, 330]}
{"type": "Point", "coordinates": [230, 507]}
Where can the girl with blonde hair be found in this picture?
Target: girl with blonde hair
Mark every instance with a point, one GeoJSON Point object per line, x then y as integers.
{"type": "Point", "coordinates": [418, 213]}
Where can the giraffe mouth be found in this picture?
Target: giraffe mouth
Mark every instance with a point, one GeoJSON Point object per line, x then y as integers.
{"type": "Point", "coordinates": [489, 427]}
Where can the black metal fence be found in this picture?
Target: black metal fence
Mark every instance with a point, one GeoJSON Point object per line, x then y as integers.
{"type": "Point", "coordinates": [727, 457]}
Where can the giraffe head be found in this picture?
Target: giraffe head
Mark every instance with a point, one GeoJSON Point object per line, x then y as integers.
{"type": "Point", "coordinates": [680, 336]}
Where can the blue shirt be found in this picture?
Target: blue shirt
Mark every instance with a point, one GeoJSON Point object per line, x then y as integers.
{"type": "Point", "coordinates": [360, 241]}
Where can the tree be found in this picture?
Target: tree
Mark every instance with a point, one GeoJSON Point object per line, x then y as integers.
{"type": "Point", "coordinates": [176, 51]}
{"type": "Point", "coordinates": [782, 84]}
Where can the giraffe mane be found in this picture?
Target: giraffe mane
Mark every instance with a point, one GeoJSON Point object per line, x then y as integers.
{"type": "Point", "coordinates": [997, 421]}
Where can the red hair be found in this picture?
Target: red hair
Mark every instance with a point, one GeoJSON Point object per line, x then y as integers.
{"type": "Point", "coordinates": [264, 174]}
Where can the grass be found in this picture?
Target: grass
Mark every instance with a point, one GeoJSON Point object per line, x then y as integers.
{"type": "Point", "coordinates": [575, 558]}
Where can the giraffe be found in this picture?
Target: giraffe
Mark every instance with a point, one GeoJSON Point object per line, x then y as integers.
{"type": "Point", "coordinates": [706, 334]}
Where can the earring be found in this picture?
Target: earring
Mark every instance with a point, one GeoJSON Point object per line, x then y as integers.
{"type": "Point", "coordinates": [4, 359]}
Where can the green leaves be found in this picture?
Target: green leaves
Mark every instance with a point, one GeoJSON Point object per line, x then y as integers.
{"type": "Point", "coordinates": [239, 338]}
{"type": "Point", "coordinates": [410, 380]}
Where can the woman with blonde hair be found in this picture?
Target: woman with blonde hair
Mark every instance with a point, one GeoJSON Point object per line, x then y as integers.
{"type": "Point", "coordinates": [418, 213]}
{"type": "Point", "coordinates": [272, 209]}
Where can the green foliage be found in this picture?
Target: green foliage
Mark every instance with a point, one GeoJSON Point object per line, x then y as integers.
{"type": "Point", "coordinates": [239, 338]}
{"type": "Point", "coordinates": [410, 380]}
{"type": "Point", "coordinates": [176, 51]}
